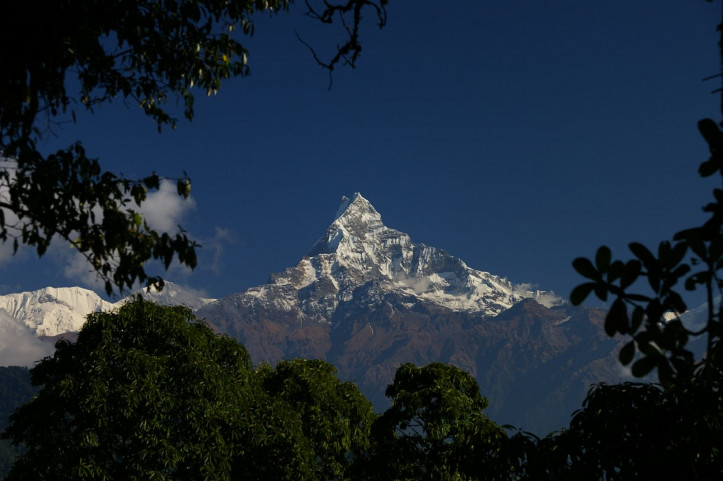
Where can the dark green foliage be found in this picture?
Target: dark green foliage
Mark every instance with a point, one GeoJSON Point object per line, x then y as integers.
{"type": "Point", "coordinates": [435, 429]}
{"type": "Point", "coordinates": [270, 442]}
{"type": "Point", "coordinates": [148, 392]}
{"type": "Point", "coordinates": [336, 418]}
{"type": "Point", "coordinates": [617, 435]}
{"type": "Point", "coordinates": [15, 390]}
{"type": "Point", "coordinates": [69, 54]}
{"type": "Point", "coordinates": [630, 431]}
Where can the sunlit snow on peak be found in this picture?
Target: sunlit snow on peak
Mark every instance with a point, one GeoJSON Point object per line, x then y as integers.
{"type": "Point", "coordinates": [362, 249]}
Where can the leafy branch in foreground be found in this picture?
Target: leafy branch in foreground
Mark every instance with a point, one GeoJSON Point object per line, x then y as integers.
{"type": "Point", "coordinates": [147, 52]}
{"type": "Point", "coordinates": [652, 317]}
{"type": "Point", "coordinates": [66, 196]}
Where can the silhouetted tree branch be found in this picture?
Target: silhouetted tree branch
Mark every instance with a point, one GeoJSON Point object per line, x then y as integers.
{"type": "Point", "coordinates": [349, 15]}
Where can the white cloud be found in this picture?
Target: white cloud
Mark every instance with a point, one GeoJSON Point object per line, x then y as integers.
{"type": "Point", "coordinates": [549, 299]}
{"type": "Point", "coordinates": [18, 345]}
{"type": "Point", "coordinates": [164, 208]}
{"type": "Point", "coordinates": [418, 284]}
{"type": "Point", "coordinates": [216, 244]}
{"type": "Point", "coordinates": [545, 298]}
{"type": "Point", "coordinates": [78, 269]}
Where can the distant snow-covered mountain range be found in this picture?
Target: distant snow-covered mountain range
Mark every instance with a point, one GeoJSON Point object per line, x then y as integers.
{"type": "Point", "coordinates": [53, 311]}
{"type": "Point", "coordinates": [367, 299]}
{"type": "Point", "coordinates": [357, 249]}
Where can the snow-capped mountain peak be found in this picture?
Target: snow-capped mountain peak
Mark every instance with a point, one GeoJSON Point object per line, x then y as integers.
{"type": "Point", "coordinates": [357, 250]}
{"type": "Point", "coordinates": [52, 311]}
{"type": "Point", "coordinates": [356, 221]}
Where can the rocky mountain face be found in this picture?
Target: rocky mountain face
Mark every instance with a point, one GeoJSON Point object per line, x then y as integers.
{"type": "Point", "coordinates": [367, 299]}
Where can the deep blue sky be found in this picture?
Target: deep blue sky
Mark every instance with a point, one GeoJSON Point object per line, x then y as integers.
{"type": "Point", "coordinates": [515, 135]}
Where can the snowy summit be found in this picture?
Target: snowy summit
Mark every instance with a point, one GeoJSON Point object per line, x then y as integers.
{"type": "Point", "coordinates": [358, 250]}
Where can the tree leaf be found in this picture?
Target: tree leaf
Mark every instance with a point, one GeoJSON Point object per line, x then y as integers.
{"type": "Point", "coordinates": [643, 366]}
{"type": "Point", "coordinates": [630, 274]}
{"type": "Point", "coordinates": [617, 319]}
{"type": "Point", "coordinates": [585, 268]}
{"type": "Point", "coordinates": [708, 168]}
{"type": "Point", "coordinates": [644, 254]}
{"type": "Point", "coordinates": [580, 293]}
{"type": "Point", "coordinates": [601, 291]}
{"type": "Point", "coordinates": [627, 353]}
{"type": "Point", "coordinates": [602, 258]}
